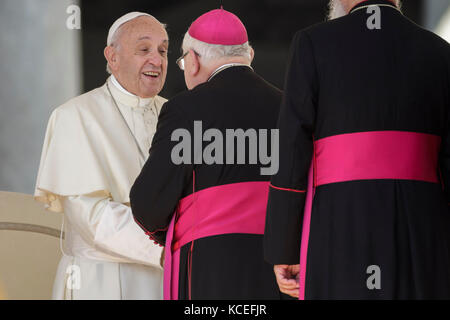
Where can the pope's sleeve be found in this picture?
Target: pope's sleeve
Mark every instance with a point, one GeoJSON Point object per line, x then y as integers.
{"type": "Point", "coordinates": [288, 187]}
{"type": "Point", "coordinates": [159, 187]}
{"type": "Point", "coordinates": [110, 227]}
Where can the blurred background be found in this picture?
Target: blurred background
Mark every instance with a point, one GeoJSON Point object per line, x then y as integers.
{"type": "Point", "coordinates": [47, 58]}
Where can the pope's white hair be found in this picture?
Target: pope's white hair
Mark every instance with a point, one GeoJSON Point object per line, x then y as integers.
{"type": "Point", "coordinates": [210, 52]}
{"type": "Point", "coordinates": [115, 38]}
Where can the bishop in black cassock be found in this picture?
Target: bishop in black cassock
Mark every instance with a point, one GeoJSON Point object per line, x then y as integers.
{"type": "Point", "coordinates": [209, 213]}
{"type": "Point", "coordinates": [361, 197]}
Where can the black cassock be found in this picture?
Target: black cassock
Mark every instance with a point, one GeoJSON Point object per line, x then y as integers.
{"type": "Point", "coordinates": [216, 266]}
{"type": "Point", "coordinates": [368, 109]}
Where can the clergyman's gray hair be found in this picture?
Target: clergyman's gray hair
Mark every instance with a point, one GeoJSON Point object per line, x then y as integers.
{"type": "Point", "coordinates": [336, 9]}
{"type": "Point", "coordinates": [210, 52]}
{"type": "Point", "coordinates": [115, 37]}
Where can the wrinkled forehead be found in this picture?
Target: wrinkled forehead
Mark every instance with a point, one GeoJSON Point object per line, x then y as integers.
{"type": "Point", "coordinates": [143, 29]}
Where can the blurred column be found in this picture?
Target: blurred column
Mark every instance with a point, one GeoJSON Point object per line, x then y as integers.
{"type": "Point", "coordinates": [437, 17]}
{"type": "Point", "coordinates": [443, 28]}
{"type": "Point", "coordinates": [39, 70]}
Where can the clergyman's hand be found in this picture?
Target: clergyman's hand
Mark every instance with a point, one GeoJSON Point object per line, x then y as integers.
{"type": "Point", "coordinates": [288, 279]}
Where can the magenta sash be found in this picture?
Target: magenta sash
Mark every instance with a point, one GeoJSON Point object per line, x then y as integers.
{"type": "Point", "coordinates": [233, 208]}
{"type": "Point", "coordinates": [377, 155]}
{"type": "Point", "coordinates": [373, 155]}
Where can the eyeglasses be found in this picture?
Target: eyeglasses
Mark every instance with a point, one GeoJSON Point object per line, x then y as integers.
{"type": "Point", "coordinates": [180, 60]}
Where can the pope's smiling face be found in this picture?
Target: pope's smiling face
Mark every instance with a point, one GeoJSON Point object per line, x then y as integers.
{"type": "Point", "coordinates": [138, 59]}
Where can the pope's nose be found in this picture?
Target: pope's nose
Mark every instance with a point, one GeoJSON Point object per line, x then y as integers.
{"type": "Point", "coordinates": [155, 59]}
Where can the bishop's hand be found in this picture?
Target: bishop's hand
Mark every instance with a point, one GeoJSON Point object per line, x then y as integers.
{"type": "Point", "coordinates": [288, 279]}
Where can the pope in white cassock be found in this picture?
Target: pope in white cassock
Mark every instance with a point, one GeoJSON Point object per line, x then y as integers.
{"type": "Point", "coordinates": [95, 147]}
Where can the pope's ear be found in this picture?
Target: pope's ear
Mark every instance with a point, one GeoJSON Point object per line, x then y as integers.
{"type": "Point", "coordinates": [195, 63]}
{"type": "Point", "coordinates": [111, 57]}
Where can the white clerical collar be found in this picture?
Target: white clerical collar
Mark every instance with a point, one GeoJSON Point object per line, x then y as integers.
{"type": "Point", "coordinates": [227, 66]}
{"type": "Point", "coordinates": [375, 5]}
{"type": "Point", "coordinates": [126, 97]}
{"type": "Point", "coordinates": [119, 86]}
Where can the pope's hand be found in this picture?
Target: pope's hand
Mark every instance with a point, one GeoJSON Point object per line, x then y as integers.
{"type": "Point", "coordinates": [288, 279]}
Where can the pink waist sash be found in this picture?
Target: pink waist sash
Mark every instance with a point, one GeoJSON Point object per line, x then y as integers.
{"type": "Point", "coordinates": [366, 156]}
{"type": "Point", "coordinates": [377, 155]}
{"type": "Point", "coordinates": [227, 209]}
{"type": "Point", "coordinates": [233, 208]}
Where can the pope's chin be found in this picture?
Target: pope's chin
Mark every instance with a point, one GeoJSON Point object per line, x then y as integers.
{"type": "Point", "coordinates": [151, 84]}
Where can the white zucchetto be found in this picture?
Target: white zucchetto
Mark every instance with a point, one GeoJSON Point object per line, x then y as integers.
{"type": "Point", "coordinates": [123, 19]}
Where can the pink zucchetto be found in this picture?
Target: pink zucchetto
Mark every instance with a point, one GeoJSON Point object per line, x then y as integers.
{"type": "Point", "coordinates": [219, 27]}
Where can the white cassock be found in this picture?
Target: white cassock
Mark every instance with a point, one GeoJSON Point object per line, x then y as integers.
{"type": "Point", "coordinates": [95, 147]}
